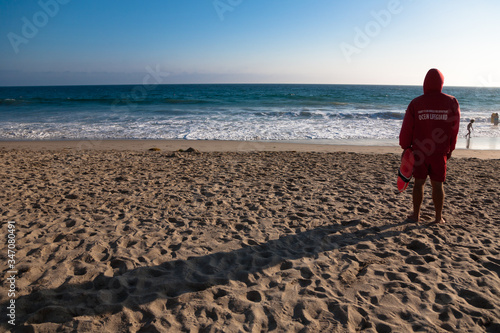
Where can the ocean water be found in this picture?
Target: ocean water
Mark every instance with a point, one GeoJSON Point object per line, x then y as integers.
{"type": "Point", "coordinates": [281, 112]}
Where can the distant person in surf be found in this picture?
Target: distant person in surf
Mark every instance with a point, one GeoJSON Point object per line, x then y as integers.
{"type": "Point", "coordinates": [494, 119]}
{"type": "Point", "coordinates": [430, 128]}
{"type": "Point", "coordinates": [469, 129]}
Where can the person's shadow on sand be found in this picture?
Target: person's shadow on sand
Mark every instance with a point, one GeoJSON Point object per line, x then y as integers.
{"type": "Point", "coordinates": [132, 288]}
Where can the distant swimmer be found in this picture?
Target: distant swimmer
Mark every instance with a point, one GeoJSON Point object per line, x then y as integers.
{"type": "Point", "coordinates": [494, 118]}
{"type": "Point", "coordinates": [469, 129]}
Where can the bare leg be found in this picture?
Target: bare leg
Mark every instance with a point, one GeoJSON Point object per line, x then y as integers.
{"type": "Point", "coordinates": [418, 198]}
{"type": "Point", "coordinates": [438, 198]}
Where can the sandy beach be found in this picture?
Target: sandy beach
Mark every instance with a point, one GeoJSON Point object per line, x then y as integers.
{"type": "Point", "coordinates": [243, 237]}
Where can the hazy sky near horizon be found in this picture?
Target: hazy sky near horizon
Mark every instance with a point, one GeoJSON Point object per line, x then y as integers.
{"type": "Point", "coordinates": [68, 42]}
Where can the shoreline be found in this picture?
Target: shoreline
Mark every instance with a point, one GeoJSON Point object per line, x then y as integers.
{"type": "Point", "coordinates": [229, 146]}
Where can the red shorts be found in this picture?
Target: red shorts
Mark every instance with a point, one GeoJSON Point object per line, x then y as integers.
{"type": "Point", "coordinates": [433, 166]}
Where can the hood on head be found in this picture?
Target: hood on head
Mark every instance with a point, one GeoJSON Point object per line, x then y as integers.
{"type": "Point", "coordinates": [434, 81]}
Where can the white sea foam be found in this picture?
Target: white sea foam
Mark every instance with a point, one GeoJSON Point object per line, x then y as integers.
{"type": "Point", "coordinates": [217, 129]}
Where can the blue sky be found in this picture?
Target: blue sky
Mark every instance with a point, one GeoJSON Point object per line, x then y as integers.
{"type": "Point", "coordinates": [64, 42]}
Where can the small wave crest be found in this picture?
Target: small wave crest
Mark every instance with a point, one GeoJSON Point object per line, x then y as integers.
{"type": "Point", "coordinates": [185, 101]}
{"type": "Point", "coordinates": [331, 114]}
{"type": "Point", "coordinates": [10, 101]}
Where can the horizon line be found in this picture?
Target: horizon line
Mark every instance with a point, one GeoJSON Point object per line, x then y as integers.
{"type": "Point", "coordinates": [241, 83]}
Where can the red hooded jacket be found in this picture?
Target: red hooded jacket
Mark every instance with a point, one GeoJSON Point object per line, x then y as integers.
{"type": "Point", "coordinates": [432, 120]}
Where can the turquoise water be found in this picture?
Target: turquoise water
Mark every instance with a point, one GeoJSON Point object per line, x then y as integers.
{"type": "Point", "coordinates": [346, 113]}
